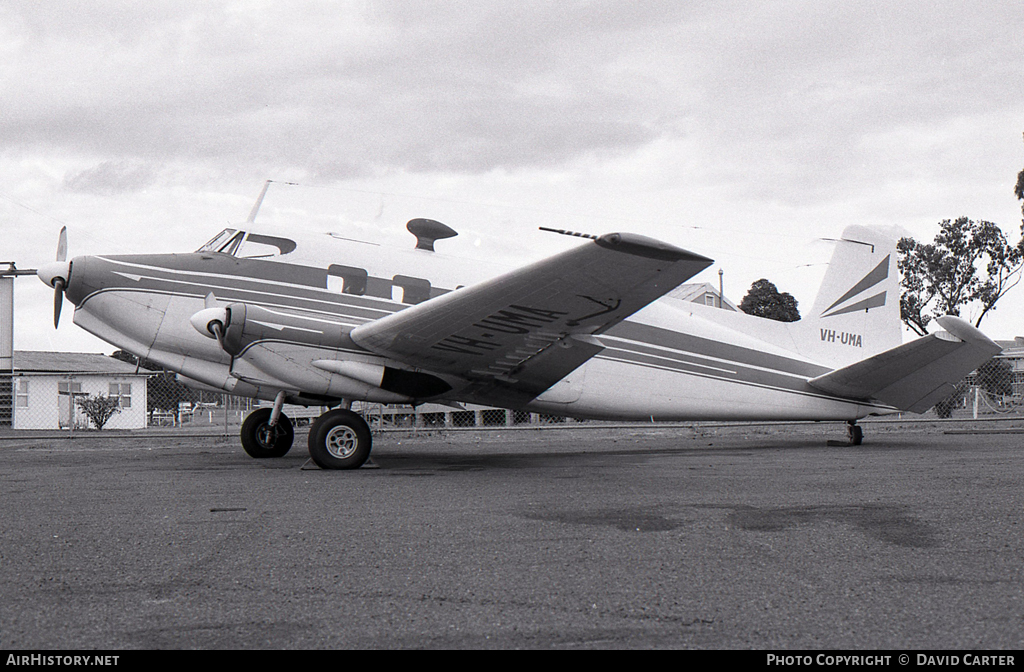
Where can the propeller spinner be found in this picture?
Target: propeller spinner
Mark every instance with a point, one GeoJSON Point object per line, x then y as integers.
{"type": "Point", "coordinates": [212, 320]}
{"type": "Point", "coordinates": [56, 274]}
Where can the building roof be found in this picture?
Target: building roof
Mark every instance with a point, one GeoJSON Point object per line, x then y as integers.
{"type": "Point", "coordinates": [695, 291]}
{"type": "Point", "coordinates": [1011, 349]}
{"type": "Point", "coordinates": [33, 361]}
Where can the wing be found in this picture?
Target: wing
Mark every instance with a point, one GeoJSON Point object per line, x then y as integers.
{"type": "Point", "coordinates": [517, 334]}
{"type": "Point", "coordinates": [916, 375]}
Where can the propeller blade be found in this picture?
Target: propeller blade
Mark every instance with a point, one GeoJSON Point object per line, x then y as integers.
{"type": "Point", "coordinates": [58, 300]}
{"type": "Point", "coordinates": [62, 244]}
{"type": "Point", "coordinates": [58, 282]}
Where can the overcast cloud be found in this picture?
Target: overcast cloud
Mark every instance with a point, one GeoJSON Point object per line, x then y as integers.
{"type": "Point", "coordinates": [741, 130]}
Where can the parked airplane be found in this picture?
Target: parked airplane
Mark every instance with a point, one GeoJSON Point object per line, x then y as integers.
{"type": "Point", "coordinates": [586, 333]}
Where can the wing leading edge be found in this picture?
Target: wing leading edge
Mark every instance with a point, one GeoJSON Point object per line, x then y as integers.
{"type": "Point", "coordinates": [519, 333]}
{"type": "Point", "coordinates": [916, 375]}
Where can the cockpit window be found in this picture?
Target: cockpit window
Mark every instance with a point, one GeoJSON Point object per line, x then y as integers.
{"type": "Point", "coordinates": [250, 246]}
{"type": "Point", "coordinates": [218, 241]}
{"type": "Point", "coordinates": [260, 245]}
{"type": "Point", "coordinates": [231, 247]}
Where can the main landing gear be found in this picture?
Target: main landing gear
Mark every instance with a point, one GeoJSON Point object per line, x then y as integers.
{"type": "Point", "coordinates": [338, 439]}
{"type": "Point", "coordinates": [854, 432]}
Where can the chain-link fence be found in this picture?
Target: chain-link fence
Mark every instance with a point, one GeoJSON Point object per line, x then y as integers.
{"type": "Point", "coordinates": [141, 399]}
{"type": "Point", "coordinates": [462, 416]}
{"type": "Point", "coordinates": [995, 389]}
{"type": "Point", "coordinates": [109, 397]}
{"type": "Point", "coordinates": [133, 399]}
{"type": "Point", "coordinates": [6, 399]}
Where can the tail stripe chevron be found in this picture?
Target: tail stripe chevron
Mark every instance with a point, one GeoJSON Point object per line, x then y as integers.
{"type": "Point", "coordinates": [876, 301]}
{"type": "Point", "coordinates": [880, 273]}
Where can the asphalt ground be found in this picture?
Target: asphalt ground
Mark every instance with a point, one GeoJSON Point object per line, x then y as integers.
{"type": "Point", "coordinates": [759, 538]}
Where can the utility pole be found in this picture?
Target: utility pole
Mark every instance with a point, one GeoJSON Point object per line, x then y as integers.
{"type": "Point", "coordinates": [7, 340]}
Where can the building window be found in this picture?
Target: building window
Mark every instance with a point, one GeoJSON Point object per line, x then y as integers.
{"type": "Point", "coordinates": [123, 392]}
{"type": "Point", "coordinates": [710, 300]}
{"type": "Point", "coordinates": [21, 393]}
{"type": "Point", "coordinates": [64, 387]}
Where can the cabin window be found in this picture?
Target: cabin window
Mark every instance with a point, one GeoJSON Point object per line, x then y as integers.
{"type": "Point", "coordinates": [346, 279]}
{"type": "Point", "coordinates": [414, 290]}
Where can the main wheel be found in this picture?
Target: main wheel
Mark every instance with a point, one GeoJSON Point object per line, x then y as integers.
{"type": "Point", "coordinates": [856, 434]}
{"type": "Point", "coordinates": [260, 440]}
{"type": "Point", "coordinates": [339, 439]}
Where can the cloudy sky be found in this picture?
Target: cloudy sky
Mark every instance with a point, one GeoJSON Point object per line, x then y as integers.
{"type": "Point", "coordinates": [747, 132]}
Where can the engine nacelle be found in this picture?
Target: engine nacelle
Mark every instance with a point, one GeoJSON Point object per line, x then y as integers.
{"type": "Point", "coordinates": [270, 342]}
{"type": "Point", "coordinates": [412, 384]}
{"type": "Point", "coordinates": [236, 326]}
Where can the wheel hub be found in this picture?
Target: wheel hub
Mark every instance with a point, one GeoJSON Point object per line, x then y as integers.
{"type": "Point", "coordinates": [342, 442]}
{"type": "Point", "coordinates": [267, 436]}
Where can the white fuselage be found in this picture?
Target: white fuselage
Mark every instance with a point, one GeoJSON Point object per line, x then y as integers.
{"type": "Point", "coordinates": [670, 361]}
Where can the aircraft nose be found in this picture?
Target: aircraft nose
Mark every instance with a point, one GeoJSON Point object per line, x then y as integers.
{"type": "Point", "coordinates": [57, 271]}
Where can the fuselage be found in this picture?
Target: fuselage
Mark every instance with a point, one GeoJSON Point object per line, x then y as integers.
{"type": "Point", "coordinates": [669, 361]}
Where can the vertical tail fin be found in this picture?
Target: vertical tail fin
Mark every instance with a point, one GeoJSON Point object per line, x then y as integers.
{"type": "Point", "coordinates": [857, 311]}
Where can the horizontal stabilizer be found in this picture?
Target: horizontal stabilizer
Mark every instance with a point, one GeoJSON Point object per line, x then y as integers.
{"type": "Point", "coordinates": [916, 375]}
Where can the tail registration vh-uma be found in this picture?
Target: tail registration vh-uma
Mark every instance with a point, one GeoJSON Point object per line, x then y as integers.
{"type": "Point", "coordinates": [586, 333]}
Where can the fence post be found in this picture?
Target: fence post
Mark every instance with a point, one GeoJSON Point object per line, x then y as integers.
{"type": "Point", "coordinates": [71, 406]}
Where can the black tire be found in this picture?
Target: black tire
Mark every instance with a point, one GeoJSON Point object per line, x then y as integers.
{"type": "Point", "coordinates": [340, 439]}
{"type": "Point", "coordinates": [856, 435]}
{"type": "Point", "coordinates": [261, 440]}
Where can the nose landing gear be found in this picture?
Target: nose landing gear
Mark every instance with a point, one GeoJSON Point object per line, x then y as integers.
{"type": "Point", "coordinates": [261, 439]}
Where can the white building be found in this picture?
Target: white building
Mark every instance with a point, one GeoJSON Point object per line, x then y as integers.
{"type": "Point", "coordinates": [44, 384]}
{"type": "Point", "coordinates": [1013, 354]}
{"type": "Point", "coordinates": [703, 293]}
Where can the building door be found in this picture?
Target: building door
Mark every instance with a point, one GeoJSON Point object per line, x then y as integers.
{"type": "Point", "coordinates": [68, 414]}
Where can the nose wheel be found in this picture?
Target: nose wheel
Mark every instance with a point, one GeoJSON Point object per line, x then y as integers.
{"type": "Point", "coordinates": [260, 439]}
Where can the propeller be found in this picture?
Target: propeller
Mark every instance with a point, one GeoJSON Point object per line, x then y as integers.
{"type": "Point", "coordinates": [56, 274]}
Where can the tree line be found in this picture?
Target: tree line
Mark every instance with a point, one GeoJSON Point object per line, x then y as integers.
{"type": "Point", "coordinates": [970, 265]}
